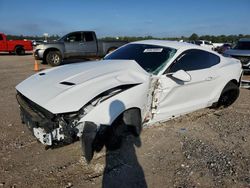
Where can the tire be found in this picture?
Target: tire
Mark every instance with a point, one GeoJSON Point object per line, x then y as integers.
{"type": "Point", "coordinates": [44, 62]}
{"type": "Point", "coordinates": [54, 58]}
{"type": "Point", "coordinates": [229, 95]}
{"type": "Point", "coordinates": [19, 50]}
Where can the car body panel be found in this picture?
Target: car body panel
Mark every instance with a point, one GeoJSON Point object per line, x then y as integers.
{"type": "Point", "coordinates": [110, 109]}
{"type": "Point", "coordinates": [174, 98]}
{"type": "Point", "coordinates": [92, 77]}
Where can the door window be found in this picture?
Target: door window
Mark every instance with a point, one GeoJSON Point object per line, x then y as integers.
{"type": "Point", "coordinates": [1, 37]}
{"type": "Point", "coordinates": [74, 37]}
{"type": "Point", "coordinates": [194, 60]}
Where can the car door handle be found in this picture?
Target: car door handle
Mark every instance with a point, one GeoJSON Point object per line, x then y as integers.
{"type": "Point", "coordinates": [82, 44]}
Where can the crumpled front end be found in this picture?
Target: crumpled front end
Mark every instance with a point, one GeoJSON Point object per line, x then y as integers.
{"type": "Point", "coordinates": [64, 104]}
{"type": "Point", "coordinates": [48, 128]}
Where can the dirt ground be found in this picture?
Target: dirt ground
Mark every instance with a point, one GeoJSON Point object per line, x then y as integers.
{"type": "Point", "coordinates": [208, 148]}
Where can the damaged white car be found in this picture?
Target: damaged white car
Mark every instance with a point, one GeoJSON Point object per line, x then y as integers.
{"type": "Point", "coordinates": [140, 83]}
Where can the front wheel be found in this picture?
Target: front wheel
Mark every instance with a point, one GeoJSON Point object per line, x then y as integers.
{"type": "Point", "coordinates": [54, 58]}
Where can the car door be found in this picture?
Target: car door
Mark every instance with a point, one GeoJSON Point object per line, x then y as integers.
{"type": "Point", "coordinates": [88, 46]}
{"type": "Point", "coordinates": [176, 97]}
{"type": "Point", "coordinates": [72, 44]}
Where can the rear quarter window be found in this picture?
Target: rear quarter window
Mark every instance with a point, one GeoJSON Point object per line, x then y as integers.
{"type": "Point", "coordinates": [192, 60]}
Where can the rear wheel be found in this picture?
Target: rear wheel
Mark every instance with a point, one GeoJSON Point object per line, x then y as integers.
{"type": "Point", "coordinates": [54, 58]}
{"type": "Point", "coordinates": [19, 50]}
{"type": "Point", "coordinates": [229, 95]}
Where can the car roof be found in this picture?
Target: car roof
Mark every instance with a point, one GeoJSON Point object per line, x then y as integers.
{"type": "Point", "coordinates": [173, 44]}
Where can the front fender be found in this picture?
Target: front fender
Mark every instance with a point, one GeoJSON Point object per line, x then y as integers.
{"type": "Point", "coordinates": [107, 111]}
{"type": "Point", "coordinates": [57, 47]}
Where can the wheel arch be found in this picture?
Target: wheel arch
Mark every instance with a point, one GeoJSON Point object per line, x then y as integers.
{"type": "Point", "coordinates": [49, 50]}
{"type": "Point", "coordinates": [107, 114]}
{"type": "Point", "coordinates": [224, 84]}
{"type": "Point", "coordinates": [226, 87]}
{"type": "Point", "coordinates": [19, 45]}
{"type": "Point", "coordinates": [235, 82]}
{"type": "Point", "coordinates": [130, 116]}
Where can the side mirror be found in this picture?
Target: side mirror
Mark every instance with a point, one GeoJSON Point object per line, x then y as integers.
{"type": "Point", "coordinates": [182, 75]}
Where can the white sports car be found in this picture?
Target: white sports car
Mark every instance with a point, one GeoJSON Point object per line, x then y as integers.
{"type": "Point", "coordinates": [140, 83]}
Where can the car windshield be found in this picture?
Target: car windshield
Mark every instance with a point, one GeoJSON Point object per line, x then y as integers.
{"type": "Point", "coordinates": [151, 58]}
{"type": "Point", "coordinates": [62, 38]}
{"type": "Point", "coordinates": [243, 45]}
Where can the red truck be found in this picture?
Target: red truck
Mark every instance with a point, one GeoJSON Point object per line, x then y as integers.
{"type": "Point", "coordinates": [17, 46]}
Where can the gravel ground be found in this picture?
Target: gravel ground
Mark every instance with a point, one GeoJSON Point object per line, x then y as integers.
{"type": "Point", "coordinates": [208, 148]}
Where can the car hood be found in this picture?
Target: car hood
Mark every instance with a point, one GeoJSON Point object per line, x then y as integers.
{"type": "Point", "coordinates": [68, 88]}
{"type": "Point", "coordinates": [235, 52]}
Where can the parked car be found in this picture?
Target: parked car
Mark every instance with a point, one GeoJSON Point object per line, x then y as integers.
{"type": "Point", "coordinates": [204, 43]}
{"type": "Point", "coordinates": [37, 42]}
{"type": "Point", "coordinates": [75, 44]}
{"type": "Point", "coordinates": [140, 83]}
{"type": "Point", "coordinates": [221, 49]}
{"type": "Point", "coordinates": [241, 51]}
{"type": "Point", "coordinates": [14, 46]}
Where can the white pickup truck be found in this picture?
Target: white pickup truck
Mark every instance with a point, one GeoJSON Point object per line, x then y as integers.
{"type": "Point", "coordinates": [204, 43]}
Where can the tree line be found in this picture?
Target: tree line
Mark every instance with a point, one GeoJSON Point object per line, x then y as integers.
{"type": "Point", "coordinates": [21, 37]}
{"type": "Point", "coordinates": [193, 37]}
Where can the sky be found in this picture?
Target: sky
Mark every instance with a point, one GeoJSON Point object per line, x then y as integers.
{"type": "Point", "coordinates": [158, 18]}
